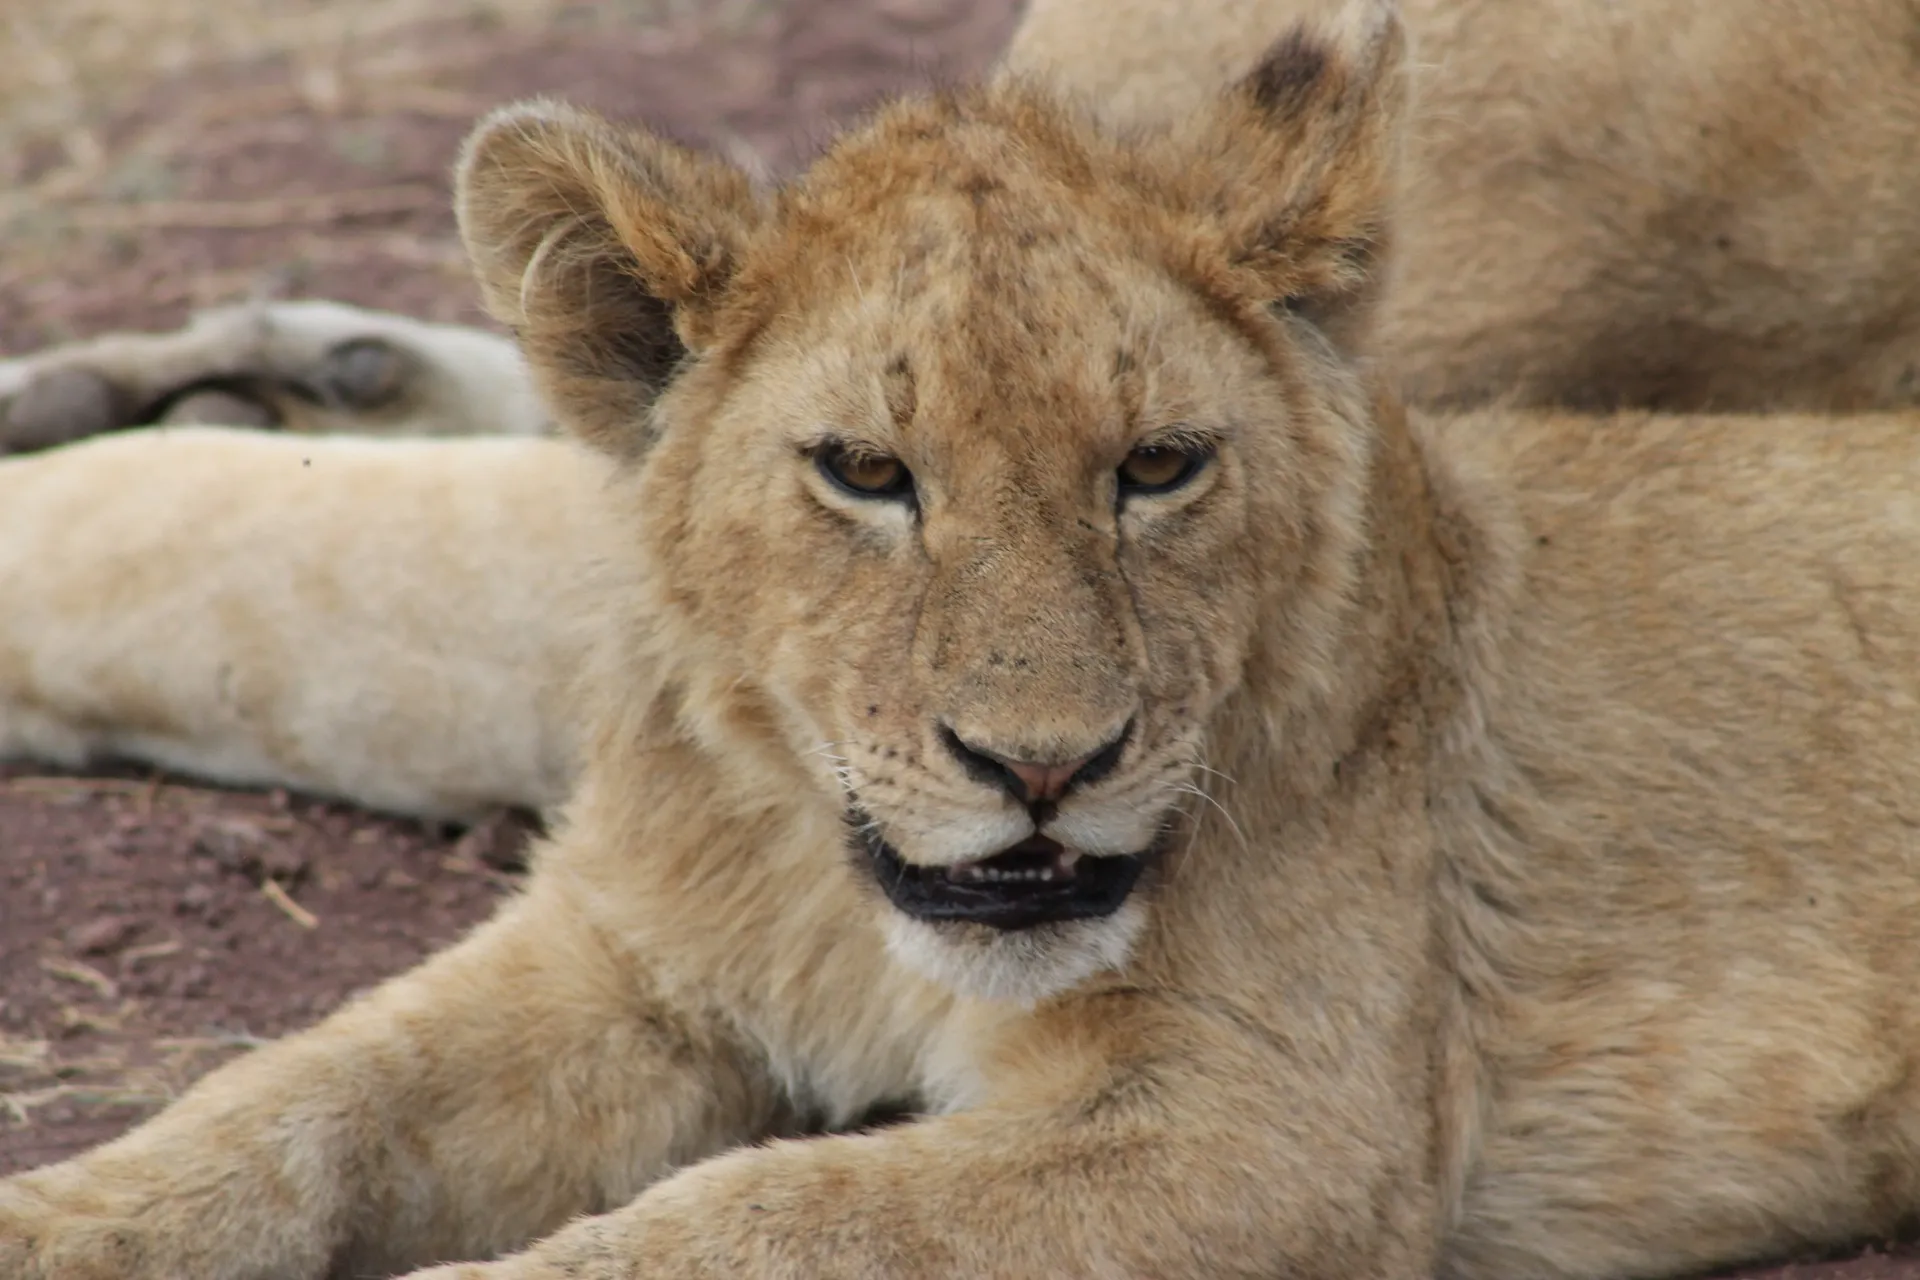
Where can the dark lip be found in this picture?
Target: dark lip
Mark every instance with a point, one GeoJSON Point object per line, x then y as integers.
{"type": "Point", "coordinates": [1097, 888]}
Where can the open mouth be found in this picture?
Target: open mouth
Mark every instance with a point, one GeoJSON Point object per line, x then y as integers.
{"type": "Point", "coordinates": [1038, 881]}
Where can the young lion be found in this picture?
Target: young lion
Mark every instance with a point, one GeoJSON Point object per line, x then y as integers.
{"type": "Point", "coordinates": [1058, 688]}
{"type": "Point", "coordinates": [377, 619]}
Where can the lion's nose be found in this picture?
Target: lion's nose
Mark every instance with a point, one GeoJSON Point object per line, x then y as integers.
{"type": "Point", "coordinates": [1045, 781]}
{"type": "Point", "coordinates": [1034, 782]}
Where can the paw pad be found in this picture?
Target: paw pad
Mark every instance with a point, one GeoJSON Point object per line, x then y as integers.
{"type": "Point", "coordinates": [59, 406]}
{"type": "Point", "coordinates": [361, 374]}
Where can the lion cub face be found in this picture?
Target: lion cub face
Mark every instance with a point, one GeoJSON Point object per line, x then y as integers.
{"type": "Point", "coordinates": [984, 455]}
{"type": "Point", "coordinates": [998, 517]}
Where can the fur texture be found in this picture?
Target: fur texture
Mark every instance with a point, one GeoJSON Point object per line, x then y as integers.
{"type": "Point", "coordinates": [355, 621]}
{"type": "Point", "coordinates": [1535, 795]}
{"type": "Point", "coordinates": [384, 622]}
{"type": "Point", "coordinates": [1635, 203]}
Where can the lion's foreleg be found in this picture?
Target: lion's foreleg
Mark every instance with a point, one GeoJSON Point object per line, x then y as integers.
{"type": "Point", "coordinates": [508, 1084]}
{"type": "Point", "coordinates": [1186, 1151]}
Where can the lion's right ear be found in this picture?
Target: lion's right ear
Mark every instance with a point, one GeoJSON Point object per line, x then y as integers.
{"type": "Point", "coordinates": [607, 251]}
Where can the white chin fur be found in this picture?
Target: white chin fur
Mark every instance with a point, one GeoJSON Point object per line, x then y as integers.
{"type": "Point", "coordinates": [1025, 965]}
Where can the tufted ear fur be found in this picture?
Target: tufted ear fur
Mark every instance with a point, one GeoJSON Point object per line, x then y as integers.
{"type": "Point", "coordinates": [607, 250]}
{"type": "Point", "coordinates": [1298, 163]}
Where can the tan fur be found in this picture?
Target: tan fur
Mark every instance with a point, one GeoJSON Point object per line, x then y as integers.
{"type": "Point", "coordinates": [355, 620]}
{"type": "Point", "coordinates": [1687, 206]}
{"type": "Point", "coordinates": [1543, 790]}
{"type": "Point", "coordinates": [381, 622]}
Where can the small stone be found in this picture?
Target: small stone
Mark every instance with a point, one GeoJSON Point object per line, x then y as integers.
{"type": "Point", "coordinates": [284, 863]}
{"type": "Point", "coordinates": [194, 980]}
{"type": "Point", "coordinates": [235, 844]}
{"type": "Point", "coordinates": [499, 841]}
{"type": "Point", "coordinates": [102, 936]}
{"type": "Point", "coordinates": [194, 899]}
{"type": "Point", "coordinates": [112, 845]}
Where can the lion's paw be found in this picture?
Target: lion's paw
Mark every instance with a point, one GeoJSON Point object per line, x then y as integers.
{"type": "Point", "coordinates": [44, 1240]}
{"type": "Point", "coordinates": [60, 404]}
{"type": "Point", "coordinates": [303, 365]}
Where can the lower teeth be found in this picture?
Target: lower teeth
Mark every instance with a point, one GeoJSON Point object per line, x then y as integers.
{"type": "Point", "coordinates": [975, 874]}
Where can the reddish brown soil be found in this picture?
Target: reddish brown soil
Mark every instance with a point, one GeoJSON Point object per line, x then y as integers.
{"type": "Point", "coordinates": [149, 929]}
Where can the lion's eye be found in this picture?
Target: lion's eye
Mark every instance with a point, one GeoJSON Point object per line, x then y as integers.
{"type": "Point", "coordinates": [1160, 468]}
{"type": "Point", "coordinates": [865, 475]}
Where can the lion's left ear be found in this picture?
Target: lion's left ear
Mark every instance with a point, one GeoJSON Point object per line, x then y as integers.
{"type": "Point", "coordinates": [1298, 163]}
{"type": "Point", "coordinates": [608, 251]}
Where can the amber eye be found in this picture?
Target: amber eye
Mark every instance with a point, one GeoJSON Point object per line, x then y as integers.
{"type": "Point", "coordinates": [1160, 468]}
{"type": "Point", "coordinates": [864, 474]}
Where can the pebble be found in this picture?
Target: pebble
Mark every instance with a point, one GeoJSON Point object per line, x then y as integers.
{"type": "Point", "coordinates": [102, 936]}
{"type": "Point", "coordinates": [284, 863]}
{"type": "Point", "coordinates": [235, 845]}
{"type": "Point", "coordinates": [498, 841]}
{"type": "Point", "coordinates": [238, 845]}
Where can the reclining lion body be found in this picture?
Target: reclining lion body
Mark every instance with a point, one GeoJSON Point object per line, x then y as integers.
{"type": "Point", "coordinates": [1523, 806]}
{"type": "Point", "coordinates": [376, 619]}
{"type": "Point", "coordinates": [1681, 205]}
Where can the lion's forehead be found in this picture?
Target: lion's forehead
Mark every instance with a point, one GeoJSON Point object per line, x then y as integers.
{"type": "Point", "coordinates": [937, 330]}
{"type": "Point", "coordinates": [982, 305]}
{"type": "Point", "coordinates": [957, 209]}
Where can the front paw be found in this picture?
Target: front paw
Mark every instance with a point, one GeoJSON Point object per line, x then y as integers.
{"type": "Point", "coordinates": [68, 1239]}
{"type": "Point", "coordinates": [509, 1269]}
{"type": "Point", "coordinates": [76, 1222]}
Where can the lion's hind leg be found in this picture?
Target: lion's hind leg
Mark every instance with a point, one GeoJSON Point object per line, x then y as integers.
{"type": "Point", "coordinates": [300, 366]}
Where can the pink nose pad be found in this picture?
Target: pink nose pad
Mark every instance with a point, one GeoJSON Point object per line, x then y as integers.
{"type": "Point", "coordinates": [1046, 781]}
{"type": "Point", "coordinates": [1031, 782]}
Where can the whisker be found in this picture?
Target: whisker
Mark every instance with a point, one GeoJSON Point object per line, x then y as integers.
{"type": "Point", "coordinates": [1189, 789]}
{"type": "Point", "coordinates": [1206, 768]}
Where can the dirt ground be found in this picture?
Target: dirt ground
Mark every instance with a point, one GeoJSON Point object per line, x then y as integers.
{"type": "Point", "coordinates": [158, 155]}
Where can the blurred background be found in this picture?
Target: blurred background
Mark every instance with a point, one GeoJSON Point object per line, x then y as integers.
{"type": "Point", "coordinates": [161, 154]}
